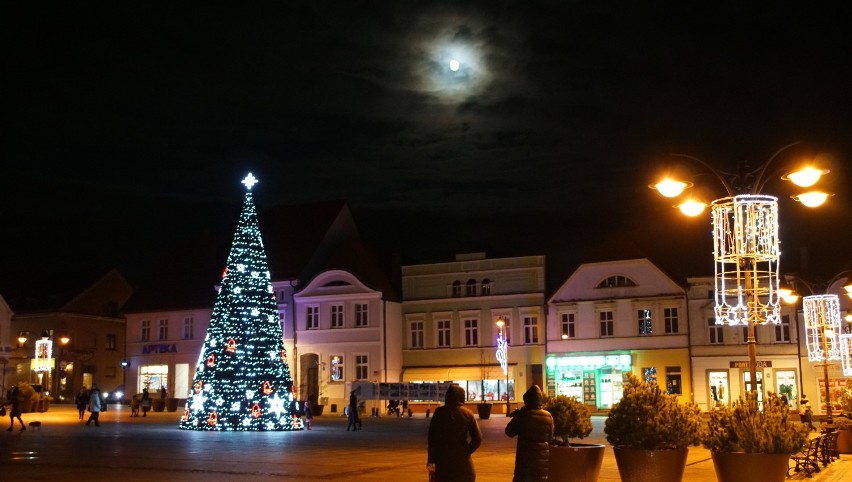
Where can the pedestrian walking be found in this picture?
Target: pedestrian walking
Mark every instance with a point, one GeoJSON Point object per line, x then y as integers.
{"type": "Point", "coordinates": [96, 404]}
{"type": "Point", "coordinates": [454, 435]}
{"type": "Point", "coordinates": [534, 428]}
{"type": "Point", "coordinates": [82, 401]}
{"type": "Point", "coordinates": [134, 406]}
{"type": "Point", "coordinates": [13, 397]}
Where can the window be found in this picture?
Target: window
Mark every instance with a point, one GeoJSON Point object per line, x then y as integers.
{"type": "Point", "coordinates": [782, 330]}
{"type": "Point", "coordinates": [568, 326]}
{"type": "Point", "coordinates": [617, 281]}
{"type": "Point", "coordinates": [507, 330]}
{"type": "Point", "coordinates": [145, 332]}
{"type": "Point", "coordinates": [443, 333]}
{"type": "Point", "coordinates": [163, 330]}
{"type": "Point", "coordinates": [670, 319]}
{"type": "Point", "coordinates": [673, 381]}
{"type": "Point", "coordinates": [361, 314]}
{"type": "Point", "coordinates": [606, 323]}
{"type": "Point", "coordinates": [486, 287]}
{"type": "Point", "coordinates": [188, 331]}
{"type": "Point", "coordinates": [336, 370]}
{"type": "Point", "coordinates": [643, 319]}
{"type": "Point", "coordinates": [456, 290]}
{"type": "Point", "coordinates": [470, 288]}
{"type": "Point", "coordinates": [471, 333]}
{"type": "Point", "coordinates": [416, 334]}
{"type": "Point", "coordinates": [337, 316]}
{"type": "Point", "coordinates": [312, 317]}
{"type": "Point", "coordinates": [530, 330]}
{"type": "Point", "coordinates": [650, 375]}
{"type": "Point", "coordinates": [110, 342]}
{"type": "Point", "coordinates": [362, 367]}
{"type": "Point", "coordinates": [716, 333]}
{"type": "Point", "coordinates": [282, 318]}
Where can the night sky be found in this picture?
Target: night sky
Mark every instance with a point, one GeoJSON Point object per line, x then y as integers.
{"type": "Point", "coordinates": [126, 129]}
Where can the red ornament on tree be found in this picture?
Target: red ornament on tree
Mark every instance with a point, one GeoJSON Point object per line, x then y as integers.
{"type": "Point", "coordinates": [211, 360]}
{"type": "Point", "coordinates": [255, 411]}
{"type": "Point", "coordinates": [267, 388]}
{"type": "Point", "coordinates": [231, 346]}
{"type": "Point", "coordinates": [198, 386]}
{"type": "Point", "coordinates": [212, 418]}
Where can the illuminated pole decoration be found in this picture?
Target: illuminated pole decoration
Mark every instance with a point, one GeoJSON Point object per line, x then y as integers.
{"type": "Point", "coordinates": [746, 242]}
{"type": "Point", "coordinates": [503, 358]}
{"type": "Point", "coordinates": [242, 380]}
{"type": "Point", "coordinates": [822, 330]}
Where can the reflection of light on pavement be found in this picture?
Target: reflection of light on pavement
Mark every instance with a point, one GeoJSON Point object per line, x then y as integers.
{"type": "Point", "coordinates": [23, 455]}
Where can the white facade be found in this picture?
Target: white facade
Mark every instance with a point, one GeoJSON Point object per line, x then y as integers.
{"type": "Point", "coordinates": [720, 353]}
{"type": "Point", "coordinates": [611, 318]}
{"type": "Point", "coordinates": [345, 332]}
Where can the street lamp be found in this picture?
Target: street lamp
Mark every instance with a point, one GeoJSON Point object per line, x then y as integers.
{"type": "Point", "coordinates": [63, 341]}
{"type": "Point", "coordinates": [746, 245]}
{"type": "Point", "coordinates": [823, 331]}
{"type": "Point", "coordinates": [503, 357]}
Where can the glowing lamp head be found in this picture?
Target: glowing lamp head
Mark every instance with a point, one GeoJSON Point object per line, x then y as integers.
{"type": "Point", "coordinates": [692, 207]}
{"type": "Point", "coordinates": [805, 177]}
{"type": "Point", "coordinates": [670, 187]}
{"type": "Point", "coordinates": [501, 323]}
{"type": "Point", "coordinates": [788, 295]}
{"type": "Point", "coordinates": [64, 340]}
{"type": "Point", "coordinates": [812, 199]}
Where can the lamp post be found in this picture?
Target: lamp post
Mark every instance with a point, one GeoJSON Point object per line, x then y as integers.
{"type": "Point", "coordinates": [745, 238]}
{"type": "Point", "coordinates": [503, 357]}
{"type": "Point", "coordinates": [823, 329]}
{"type": "Point", "coordinates": [63, 341]}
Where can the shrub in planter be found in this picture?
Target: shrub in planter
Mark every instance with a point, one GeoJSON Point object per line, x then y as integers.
{"type": "Point", "coordinates": [648, 418]}
{"type": "Point", "coordinates": [843, 425]}
{"type": "Point", "coordinates": [571, 418]}
{"type": "Point", "coordinates": [751, 443]}
{"type": "Point", "coordinates": [651, 432]}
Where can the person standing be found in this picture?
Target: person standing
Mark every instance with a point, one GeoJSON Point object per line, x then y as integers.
{"type": "Point", "coordinates": [309, 415]}
{"type": "Point", "coordinates": [82, 400]}
{"type": "Point", "coordinates": [454, 435]}
{"type": "Point", "coordinates": [14, 399]}
{"type": "Point", "coordinates": [146, 402]}
{"type": "Point", "coordinates": [352, 411]}
{"type": "Point", "coordinates": [163, 392]}
{"type": "Point", "coordinates": [534, 428]}
{"type": "Point", "coordinates": [95, 405]}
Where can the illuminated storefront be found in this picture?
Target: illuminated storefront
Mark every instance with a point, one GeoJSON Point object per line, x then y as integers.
{"type": "Point", "coordinates": [597, 380]}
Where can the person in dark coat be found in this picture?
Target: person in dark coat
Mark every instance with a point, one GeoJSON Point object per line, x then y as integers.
{"type": "Point", "coordinates": [454, 435]}
{"type": "Point", "coordinates": [534, 428]}
{"type": "Point", "coordinates": [82, 400]}
{"type": "Point", "coordinates": [14, 399]}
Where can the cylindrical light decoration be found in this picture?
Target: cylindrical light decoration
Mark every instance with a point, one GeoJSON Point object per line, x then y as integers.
{"type": "Point", "coordinates": [822, 327]}
{"type": "Point", "coordinates": [846, 354]}
{"type": "Point", "coordinates": [746, 253]}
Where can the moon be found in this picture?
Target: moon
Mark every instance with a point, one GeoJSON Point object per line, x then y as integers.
{"type": "Point", "coordinates": [454, 65]}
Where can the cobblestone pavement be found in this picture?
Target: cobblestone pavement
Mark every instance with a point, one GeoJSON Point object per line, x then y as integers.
{"type": "Point", "coordinates": [387, 449]}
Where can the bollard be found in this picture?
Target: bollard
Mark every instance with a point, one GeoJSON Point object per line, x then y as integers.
{"type": "Point", "coordinates": [410, 413]}
{"type": "Point", "coordinates": [427, 413]}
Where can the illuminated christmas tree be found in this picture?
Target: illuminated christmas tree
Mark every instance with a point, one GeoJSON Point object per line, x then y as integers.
{"type": "Point", "coordinates": [242, 380]}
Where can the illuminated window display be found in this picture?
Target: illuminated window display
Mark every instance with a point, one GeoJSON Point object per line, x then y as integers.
{"type": "Point", "coordinates": [596, 380]}
{"type": "Point", "coordinates": [718, 388]}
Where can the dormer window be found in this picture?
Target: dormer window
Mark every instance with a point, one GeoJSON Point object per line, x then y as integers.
{"type": "Point", "coordinates": [616, 281]}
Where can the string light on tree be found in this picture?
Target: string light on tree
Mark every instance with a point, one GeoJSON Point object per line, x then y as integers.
{"type": "Point", "coordinates": [237, 384]}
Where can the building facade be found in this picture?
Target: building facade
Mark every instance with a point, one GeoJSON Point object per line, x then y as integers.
{"type": "Point", "coordinates": [611, 318]}
{"type": "Point", "coordinates": [451, 311]}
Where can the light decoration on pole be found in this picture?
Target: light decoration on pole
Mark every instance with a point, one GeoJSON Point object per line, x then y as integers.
{"type": "Point", "coordinates": [503, 357]}
{"type": "Point", "coordinates": [43, 355]}
{"type": "Point", "coordinates": [242, 380]}
{"type": "Point", "coordinates": [746, 244]}
{"type": "Point", "coordinates": [822, 330]}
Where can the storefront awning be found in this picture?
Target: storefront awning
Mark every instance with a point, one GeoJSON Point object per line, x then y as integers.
{"type": "Point", "coordinates": [431, 374]}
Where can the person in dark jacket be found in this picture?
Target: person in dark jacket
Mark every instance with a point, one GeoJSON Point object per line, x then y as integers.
{"type": "Point", "coordinates": [534, 428]}
{"type": "Point", "coordinates": [454, 435]}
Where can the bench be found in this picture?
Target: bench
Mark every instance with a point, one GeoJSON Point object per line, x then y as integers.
{"type": "Point", "coordinates": [828, 449]}
{"type": "Point", "coordinates": [808, 458]}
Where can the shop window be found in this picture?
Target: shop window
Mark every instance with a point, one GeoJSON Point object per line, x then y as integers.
{"type": "Point", "coordinates": [718, 387]}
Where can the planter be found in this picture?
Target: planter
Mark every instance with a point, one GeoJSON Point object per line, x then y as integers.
{"type": "Point", "coordinates": [844, 441]}
{"type": "Point", "coordinates": [743, 467]}
{"type": "Point", "coordinates": [638, 465]}
{"type": "Point", "coordinates": [171, 404]}
{"type": "Point", "coordinates": [158, 405]}
{"type": "Point", "coordinates": [316, 410]}
{"type": "Point", "coordinates": [484, 411]}
{"type": "Point", "coordinates": [576, 463]}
